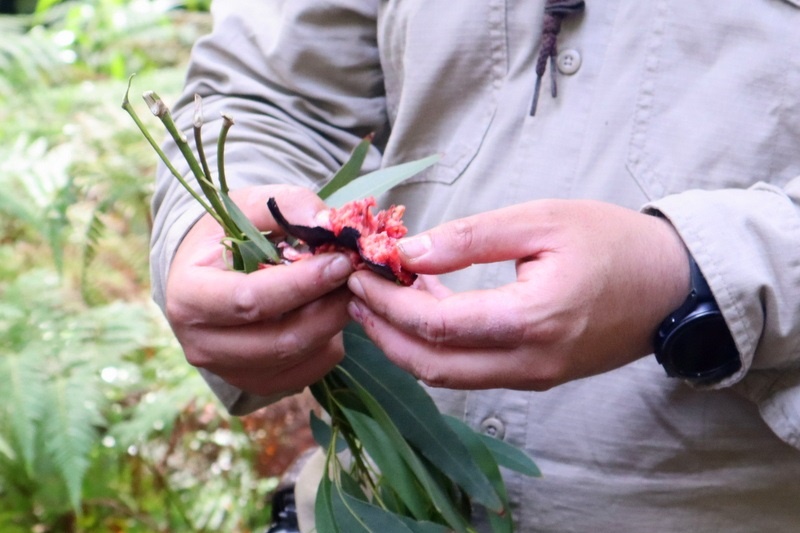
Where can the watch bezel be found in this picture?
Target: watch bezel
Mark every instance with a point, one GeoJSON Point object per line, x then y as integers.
{"type": "Point", "coordinates": [685, 351]}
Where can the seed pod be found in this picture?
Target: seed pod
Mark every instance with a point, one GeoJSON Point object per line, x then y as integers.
{"type": "Point", "coordinates": [369, 239]}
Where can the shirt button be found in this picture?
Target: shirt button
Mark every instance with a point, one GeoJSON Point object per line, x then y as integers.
{"type": "Point", "coordinates": [493, 427]}
{"type": "Point", "coordinates": [568, 61]}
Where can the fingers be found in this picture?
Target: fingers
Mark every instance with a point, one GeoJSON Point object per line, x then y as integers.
{"type": "Point", "coordinates": [500, 235]}
{"type": "Point", "coordinates": [273, 330]}
{"type": "Point", "coordinates": [590, 291]}
{"type": "Point", "coordinates": [432, 285]}
{"type": "Point", "coordinates": [208, 295]}
{"type": "Point", "coordinates": [490, 318]}
{"type": "Point", "coordinates": [292, 378]}
{"type": "Point", "coordinates": [461, 368]}
{"type": "Point", "coordinates": [273, 344]}
{"type": "Point", "coordinates": [276, 356]}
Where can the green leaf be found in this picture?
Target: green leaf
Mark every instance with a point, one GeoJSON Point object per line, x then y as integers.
{"type": "Point", "coordinates": [394, 470]}
{"type": "Point", "coordinates": [349, 170]}
{"type": "Point", "coordinates": [22, 386]}
{"type": "Point", "coordinates": [323, 433]}
{"type": "Point", "coordinates": [415, 415]}
{"type": "Point", "coordinates": [341, 497]}
{"type": "Point", "coordinates": [323, 508]}
{"type": "Point", "coordinates": [250, 255]}
{"type": "Point", "coordinates": [358, 515]}
{"type": "Point", "coordinates": [423, 526]}
{"type": "Point", "coordinates": [69, 429]}
{"type": "Point", "coordinates": [438, 495]}
{"type": "Point", "coordinates": [501, 522]}
{"type": "Point", "coordinates": [391, 501]}
{"type": "Point", "coordinates": [7, 450]}
{"type": "Point", "coordinates": [511, 457]}
{"type": "Point", "coordinates": [378, 182]}
{"type": "Point", "coordinates": [267, 249]}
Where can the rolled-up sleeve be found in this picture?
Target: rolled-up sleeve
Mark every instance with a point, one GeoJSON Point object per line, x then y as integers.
{"type": "Point", "coordinates": [303, 84]}
{"type": "Point", "coordinates": [747, 243]}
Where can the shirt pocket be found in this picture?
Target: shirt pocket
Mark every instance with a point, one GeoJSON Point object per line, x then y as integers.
{"type": "Point", "coordinates": [719, 100]}
{"type": "Point", "coordinates": [443, 63]}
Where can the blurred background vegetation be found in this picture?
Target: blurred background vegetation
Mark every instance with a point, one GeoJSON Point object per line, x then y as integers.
{"type": "Point", "coordinates": [103, 425]}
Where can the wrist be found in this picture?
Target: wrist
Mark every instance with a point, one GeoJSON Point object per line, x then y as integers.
{"type": "Point", "coordinates": [674, 278]}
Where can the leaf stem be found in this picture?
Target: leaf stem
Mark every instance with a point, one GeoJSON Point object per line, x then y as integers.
{"type": "Point", "coordinates": [198, 136]}
{"type": "Point", "coordinates": [162, 112]}
{"type": "Point", "coordinates": [126, 105]}
{"type": "Point", "coordinates": [227, 123]}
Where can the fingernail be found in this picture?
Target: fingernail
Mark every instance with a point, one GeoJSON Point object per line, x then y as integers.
{"type": "Point", "coordinates": [323, 218]}
{"type": "Point", "coordinates": [355, 311]}
{"type": "Point", "coordinates": [339, 268]}
{"type": "Point", "coordinates": [415, 247]}
{"type": "Point", "coordinates": [355, 286]}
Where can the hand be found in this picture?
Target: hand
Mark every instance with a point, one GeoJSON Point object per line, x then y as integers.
{"type": "Point", "coordinates": [275, 330]}
{"type": "Point", "coordinates": [593, 282]}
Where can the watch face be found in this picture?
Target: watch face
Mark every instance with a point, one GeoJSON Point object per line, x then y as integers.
{"type": "Point", "coordinates": [702, 348]}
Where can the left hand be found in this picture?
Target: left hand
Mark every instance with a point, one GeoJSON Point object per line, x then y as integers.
{"type": "Point", "coordinates": [593, 283]}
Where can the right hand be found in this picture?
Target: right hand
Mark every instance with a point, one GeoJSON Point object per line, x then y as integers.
{"type": "Point", "coordinates": [275, 330]}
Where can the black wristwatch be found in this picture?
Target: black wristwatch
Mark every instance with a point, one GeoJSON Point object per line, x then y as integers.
{"type": "Point", "coordinates": [694, 342]}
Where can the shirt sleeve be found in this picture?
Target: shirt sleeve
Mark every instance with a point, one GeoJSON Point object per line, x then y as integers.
{"type": "Point", "coordinates": [302, 82]}
{"type": "Point", "coordinates": [747, 244]}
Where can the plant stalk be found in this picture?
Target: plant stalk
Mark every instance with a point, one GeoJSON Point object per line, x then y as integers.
{"type": "Point", "coordinates": [162, 112]}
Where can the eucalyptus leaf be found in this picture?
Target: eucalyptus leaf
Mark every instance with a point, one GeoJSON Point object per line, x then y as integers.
{"type": "Point", "coordinates": [422, 526]}
{"type": "Point", "coordinates": [415, 415]}
{"type": "Point", "coordinates": [323, 508]}
{"type": "Point", "coordinates": [511, 457]}
{"type": "Point", "coordinates": [390, 500]}
{"type": "Point", "coordinates": [378, 182]}
{"type": "Point", "coordinates": [344, 514]}
{"type": "Point", "coordinates": [321, 431]}
{"type": "Point", "coordinates": [438, 494]}
{"type": "Point", "coordinates": [250, 255]}
{"type": "Point", "coordinates": [394, 470]}
{"type": "Point", "coordinates": [323, 434]}
{"type": "Point", "coordinates": [349, 171]}
{"type": "Point", "coordinates": [501, 522]}
{"type": "Point", "coordinates": [246, 226]}
{"type": "Point", "coordinates": [373, 519]}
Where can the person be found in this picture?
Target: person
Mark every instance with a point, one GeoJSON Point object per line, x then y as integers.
{"type": "Point", "coordinates": [552, 246]}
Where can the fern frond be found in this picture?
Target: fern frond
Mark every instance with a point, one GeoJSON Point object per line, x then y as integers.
{"type": "Point", "coordinates": [14, 23]}
{"type": "Point", "coordinates": [21, 386]}
{"type": "Point", "coordinates": [105, 335]}
{"type": "Point", "coordinates": [68, 428]}
{"type": "Point", "coordinates": [29, 59]}
{"type": "Point", "coordinates": [33, 176]}
{"type": "Point", "coordinates": [7, 450]}
{"type": "Point", "coordinates": [91, 239]}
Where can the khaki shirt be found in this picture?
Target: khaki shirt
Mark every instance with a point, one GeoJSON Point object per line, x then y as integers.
{"type": "Point", "coordinates": [687, 107]}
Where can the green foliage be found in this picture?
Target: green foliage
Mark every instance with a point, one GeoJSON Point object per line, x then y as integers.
{"type": "Point", "coordinates": [423, 471]}
{"type": "Point", "coordinates": [431, 469]}
{"type": "Point", "coordinates": [75, 41]}
{"type": "Point", "coordinates": [103, 425]}
{"type": "Point", "coordinates": [27, 58]}
{"type": "Point", "coordinates": [50, 361]}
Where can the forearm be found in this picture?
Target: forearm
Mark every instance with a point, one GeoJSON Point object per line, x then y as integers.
{"type": "Point", "coordinates": [747, 242]}
{"type": "Point", "coordinates": [300, 105]}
